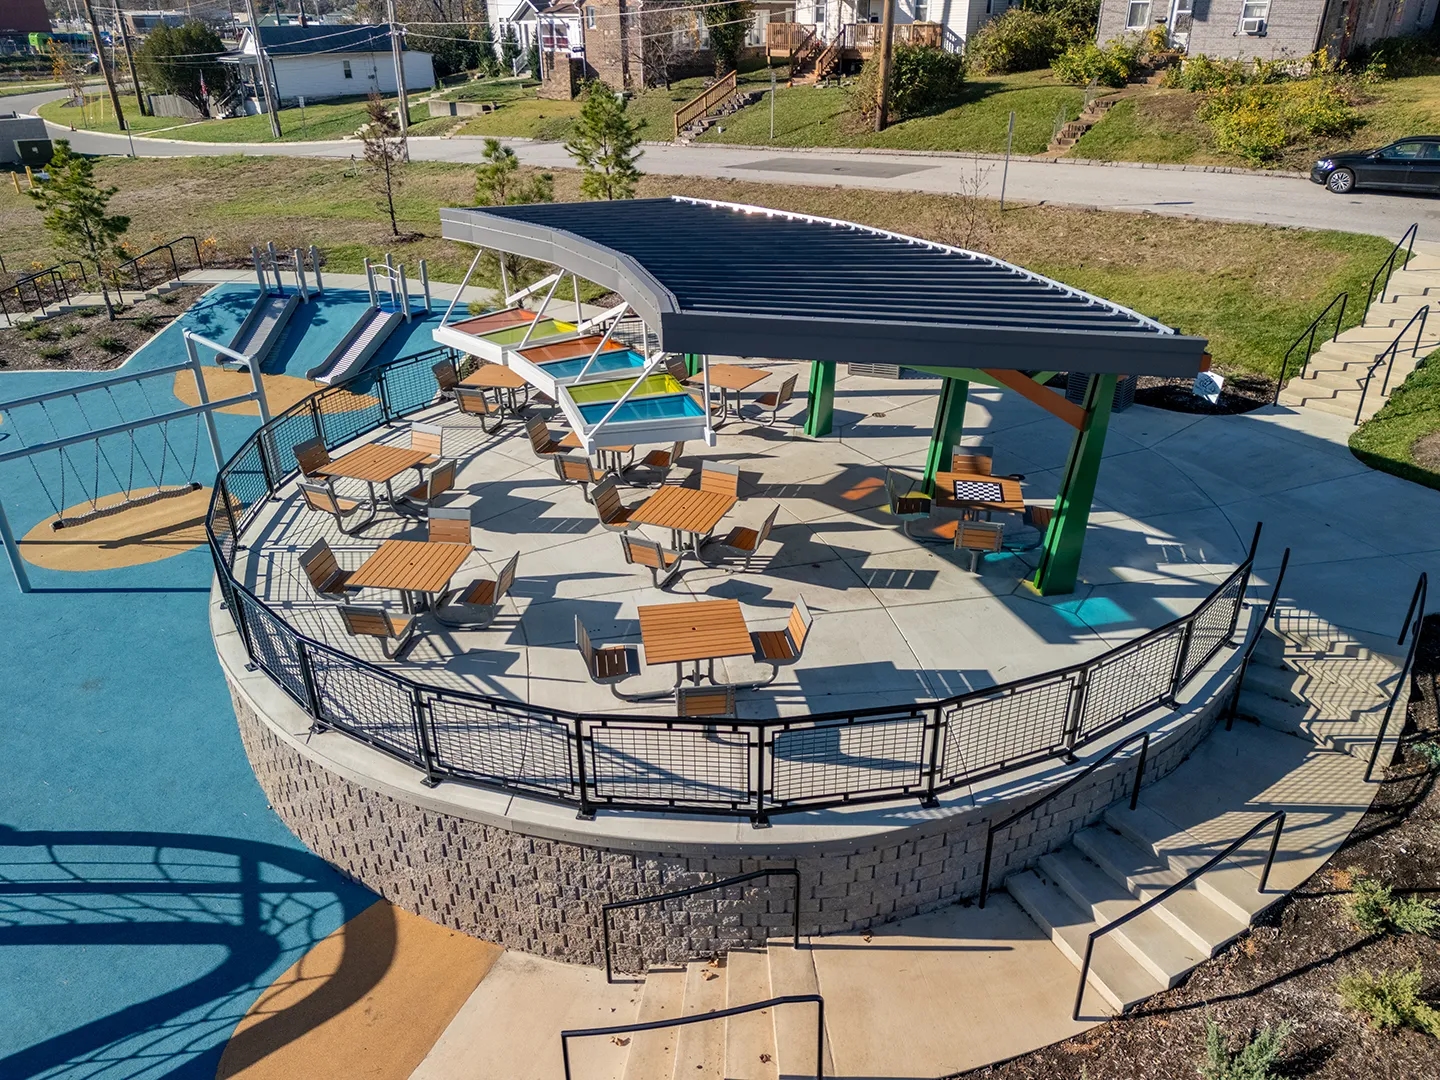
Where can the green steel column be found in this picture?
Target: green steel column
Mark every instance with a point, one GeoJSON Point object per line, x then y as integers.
{"type": "Point", "coordinates": [821, 409]}
{"type": "Point", "coordinates": [1060, 557]}
{"type": "Point", "coordinates": [949, 423]}
{"type": "Point", "coordinates": [692, 363]}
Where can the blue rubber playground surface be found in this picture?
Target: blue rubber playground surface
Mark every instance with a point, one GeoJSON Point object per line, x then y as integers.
{"type": "Point", "coordinates": [147, 893]}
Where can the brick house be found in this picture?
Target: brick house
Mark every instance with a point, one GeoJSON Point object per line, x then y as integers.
{"type": "Point", "coordinates": [1267, 29]}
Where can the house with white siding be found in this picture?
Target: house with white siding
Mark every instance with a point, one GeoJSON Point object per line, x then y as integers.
{"type": "Point", "coordinates": [320, 62]}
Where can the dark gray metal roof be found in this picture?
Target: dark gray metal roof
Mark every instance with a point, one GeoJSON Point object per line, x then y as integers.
{"type": "Point", "coordinates": [724, 279]}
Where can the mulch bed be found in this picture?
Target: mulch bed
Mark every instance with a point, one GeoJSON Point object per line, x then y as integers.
{"type": "Point", "coordinates": [1285, 967]}
{"type": "Point", "coordinates": [72, 342]}
{"type": "Point", "coordinates": [1242, 393]}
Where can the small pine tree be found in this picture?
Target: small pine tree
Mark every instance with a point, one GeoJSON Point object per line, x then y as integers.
{"type": "Point", "coordinates": [76, 217]}
{"type": "Point", "coordinates": [499, 182]}
{"type": "Point", "coordinates": [384, 152]}
{"type": "Point", "coordinates": [532, 59]}
{"type": "Point", "coordinates": [1253, 1061]}
{"type": "Point", "coordinates": [509, 50]}
{"type": "Point", "coordinates": [605, 145]}
{"type": "Point", "coordinates": [486, 60]}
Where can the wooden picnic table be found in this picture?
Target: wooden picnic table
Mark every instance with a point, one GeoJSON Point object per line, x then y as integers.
{"type": "Point", "coordinates": [684, 510]}
{"type": "Point", "coordinates": [703, 630]}
{"type": "Point", "coordinates": [730, 377]}
{"type": "Point", "coordinates": [502, 380]}
{"type": "Point", "coordinates": [978, 491]}
{"type": "Point", "coordinates": [571, 441]}
{"type": "Point", "coordinates": [411, 567]}
{"type": "Point", "coordinates": [376, 463]}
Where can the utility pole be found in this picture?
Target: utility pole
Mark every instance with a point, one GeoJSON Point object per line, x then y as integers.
{"type": "Point", "coordinates": [887, 36]}
{"type": "Point", "coordinates": [404, 102]}
{"type": "Point", "coordinates": [129, 57]}
{"type": "Point", "coordinates": [262, 66]}
{"type": "Point", "coordinates": [104, 67]}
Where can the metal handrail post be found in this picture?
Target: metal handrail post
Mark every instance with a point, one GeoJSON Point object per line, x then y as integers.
{"type": "Point", "coordinates": [586, 811]}
{"type": "Point", "coordinates": [930, 798]}
{"type": "Point", "coordinates": [425, 284]}
{"type": "Point", "coordinates": [1418, 598]}
{"type": "Point", "coordinates": [404, 294]}
{"type": "Point", "coordinates": [1254, 640]}
{"type": "Point", "coordinates": [315, 266]}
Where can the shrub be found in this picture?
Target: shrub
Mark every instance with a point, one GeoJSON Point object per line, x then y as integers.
{"type": "Point", "coordinates": [52, 352]}
{"type": "Point", "coordinates": [41, 332]}
{"type": "Point", "coordinates": [921, 80]}
{"type": "Point", "coordinates": [90, 312]}
{"type": "Point", "coordinates": [1390, 1000]}
{"type": "Point", "coordinates": [1377, 910]}
{"type": "Point", "coordinates": [1109, 66]}
{"type": "Point", "coordinates": [110, 343]}
{"type": "Point", "coordinates": [1397, 57]}
{"type": "Point", "coordinates": [73, 329]}
{"type": "Point", "coordinates": [167, 299]}
{"type": "Point", "coordinates": [147, 322]}
{"type": "Point", "coordinates": [1198, 73]}
{"type": "Point", "coordinates": [1430, 751]}
{"type": "Point", "coordinates": [1257, 121]}
{"type": "Point", "coordinates": [1253, 1061]}
{"type": "Point", "coordinates": [1017, 40]}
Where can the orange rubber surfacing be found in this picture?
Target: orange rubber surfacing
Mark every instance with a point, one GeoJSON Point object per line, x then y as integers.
{"type": "Point", "coordinates": [281, 392]}
{"type": "Point", "coordinates": [365, 1003]}
{"type": "Point", "coordinates": [129, 537]}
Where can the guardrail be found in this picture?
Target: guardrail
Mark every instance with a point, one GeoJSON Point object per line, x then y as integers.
{"type": "Point", "coordinates": [740, 768]}
{"type": "Point", "coordinates": [135, 265]}
{"type": "Point", "coordinates": [1308, 335]}
{"type": "Point", "coordinates": [1418, 601]}
{"type": "Point", "coordinates": [52, 277]}
{"type": "Point", "coordinates": [1391, 351]}
{"type": "Point", "coordinates": [717, 93]}
{"type": "Point", "coordinates": [1388, 267]}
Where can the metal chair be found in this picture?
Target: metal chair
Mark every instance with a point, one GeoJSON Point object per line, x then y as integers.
{"type": "Point", "coordinates": [577, 469]}
{"type": "Point", "coordinates": [396, 632]}
{"type": "Point", "coordinates": [780, 648]}
{"type": "Point", "coordinates": [609, 665]}
{"type": "Point", "coordinates": [660, 559]}
{"type": "Point", "coordinates": [439, 483]}
{"type": "Point", "coordinates": [472, 401]}
{"type": "Point", "coordinates": [705, 701]}
{"type": "Point", "coordinates": [660, 462]}
{"type": "Point", "coordinates": [978, 539]}
{"type": "Point", "coordinates": [746, 542]}
{"type": "Point", "coordinates": [675, 365]}
{"type": "Point", "coordinates": [478, 602]}
{"type": "Point", "coordinates": [614, 514]}
{"type": "Point", "coordinates": [448, 524]}
{"type": "Point", "coordinates": [430, 438]}
{"type": "Point", "coordinates": [321, 497]}
{"type": "Point", "coordinates": [908, 505]}
{"type": "Point", "coordinates": [775, 400]}
{"type": "Point", "coordinates": [1037, 518]}
{"type": "Point", "coordinates": [978, 458]}
{"type": "Point", "coordinates": [311, 456]}
{"type": "Point", "coordinates": [542, 441]}
{"type": "Point", "coordinates": [446, 377]}
{"type": "Point", "coordinates": [324, 572]}
{"type": "Point", "coordinates": [720, 477]}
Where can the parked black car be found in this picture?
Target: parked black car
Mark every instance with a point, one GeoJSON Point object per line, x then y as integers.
{"type": "Point", "coordinates": [1407, 165]}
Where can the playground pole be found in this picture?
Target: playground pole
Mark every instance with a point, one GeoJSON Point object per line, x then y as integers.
{"type": "Point", "coordinates": [425, 285]}
{"type": "Point", "coordinates": [370, 283]}
{"type": "Point", "coordinates": [12, 549]}
{"type": "Point", "coordinates": [260, 271]}
{"type": "Point", "coordinates": [194, 354]}
{"type": "Point", "coordinates": [300, 275]}
{"type": "Point", "coordinates": [315, 263]}
{"type": "Point", "coordinates": [404, 294]}
{"type": "Point", "coordinates": [390, 279]}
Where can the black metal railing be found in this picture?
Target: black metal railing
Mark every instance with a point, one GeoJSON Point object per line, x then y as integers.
{"type": "Point", "coordinates": [52, 278]}
{"type": "Point", "coordinates": [739, 767]}
{"type": "Point", "coordinates": [695, 890]}
{"type": "Point", "coordinates": [1308, 336]}
{"type": "Point", "coordinates": [137, 268]}
{"type": "Point", "coordinates": [1388, 357]}
{"type": "Point", "coordinates": [1253, 641]}
{"type": "Point", "coordinates": [1388, 267]}
{"type": "Point", "coordinates": [700, 1018]}
{"type": "Point", "coordinates": [1278, 817]}
{"type": "Point", "coordinates": [1142, 736]}
{"type": "Point", "coordinates": [1418, 601]}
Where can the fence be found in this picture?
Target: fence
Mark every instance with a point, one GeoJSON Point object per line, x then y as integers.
{"type": "Point", "coordinates": [744, 768]}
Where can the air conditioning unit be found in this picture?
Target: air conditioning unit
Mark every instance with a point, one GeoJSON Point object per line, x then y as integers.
{"type": "Point", "coordinates": [1252, 26]}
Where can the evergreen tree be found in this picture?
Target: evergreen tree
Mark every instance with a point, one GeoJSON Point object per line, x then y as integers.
{"type": "Point", "coordinates": [728, 24]}
{"type": "Point", "coordinates": [76, 216]}
{"type": "Point", "coordinates": [185, 61]}
{"type": "Point", "coordinates": [509, 50]}
{"type": "Point", "coordinates": [605, 144]}
{"type": "Point", "coordinates": [486, 60]}
{"type": "Point", "coordinates": [499, 182]}
{"type": "Point", "coordinates": [384, 152]}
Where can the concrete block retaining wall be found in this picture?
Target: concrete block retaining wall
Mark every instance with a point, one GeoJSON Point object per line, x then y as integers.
{"type": "Point", "coordinates": [543, 896]}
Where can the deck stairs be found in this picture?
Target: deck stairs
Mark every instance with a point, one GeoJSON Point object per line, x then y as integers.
{"type": "Point", "coordinates": [357, 347]}
{"type": "Point", "coordinates": [1333, 379]}
{"type": "Point", "coordinates": [818, 65]}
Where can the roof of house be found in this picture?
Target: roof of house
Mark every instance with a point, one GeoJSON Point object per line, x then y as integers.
{"type": "Point", "coordinates": [712, 277]}
{"type": "Point", "coordinates": [314, 40]}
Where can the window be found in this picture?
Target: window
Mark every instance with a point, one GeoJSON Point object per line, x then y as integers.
{"type": "Point", "coordinates": [589, 18]}
{"type": "Point", "coordinates": [1255, 9]}
{"type": "Point", "coordinates": [819, 12]}
{"type": "Point", "coordinates": [1403, 151]}
{"type": "Point", "coordinates": [348, 73]}
{"type": "Point", "coordinates": [1137, 16]}
{"type": "Point", "coordinates": [922, 10]}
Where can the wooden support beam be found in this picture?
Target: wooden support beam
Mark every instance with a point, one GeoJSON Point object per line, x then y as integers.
{"type": "Point", "coordinates": [1051, 402]}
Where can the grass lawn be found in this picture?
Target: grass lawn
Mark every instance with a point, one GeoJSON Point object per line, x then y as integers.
{"type": "Point", "coordinates": [1160, 125]}
{"type": "Point", "coordinates": [1402, 437]}
{"type": "Point", "coordinates": [1250, 289]}
{"type": "Point", "coordinates": [332, 120]}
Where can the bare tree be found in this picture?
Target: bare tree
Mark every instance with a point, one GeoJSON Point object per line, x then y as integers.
{"type": "Point", "coordinates": [384, 152]}
{"type": "Point", "coordinates": [669, 37]}
{"type": "Point", "coordinates": [966, 219]}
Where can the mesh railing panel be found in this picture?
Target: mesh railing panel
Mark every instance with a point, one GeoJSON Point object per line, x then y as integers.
{"type": "Point", "coordinates": [514, 747]}
{"type": "Point", "coordinates": [630, 762]}
{"type": "Point", "coordinates": [1211, 623]}
{"type": "Point", "coordinates": [346, 413]}
{"type": "Point", "coordinates": [365, 702]}
{"type": "Point", "coordinates": [840, 758]}
{"type": "Point", "coordinates": [985, 733]}
{"type": "Point", "coordinates": [410, 384]}
{"type": "Point", "coordinates": [273, 646]}
{"type": "Point", "coordinates": [218, 519]}
{"type": "Point", "coordinates": [1130, 680]}
{"type": "Point", "coordinates": [245, 484]}
{"type": "Point", "coordinates": [286, 433]}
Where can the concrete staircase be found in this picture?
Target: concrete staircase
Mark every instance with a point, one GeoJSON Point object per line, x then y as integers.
{"type": "Point", "coordinates": [1335, 376]}
{"type": "Point", "coordinates": [84, 301]}
{"type": "Point", "coordinates": [1089, 116]}
{"type": "Point", "coordinates": [729, 107]}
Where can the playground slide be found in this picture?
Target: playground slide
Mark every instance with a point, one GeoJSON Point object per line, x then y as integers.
{"type": "Point", "coordinates": [357, 347]}
{"type": "Point", "coordinates": [265, 325]}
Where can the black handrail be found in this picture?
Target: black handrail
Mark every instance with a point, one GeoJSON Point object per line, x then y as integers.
{"type": "Point", "coordinates": [1143, 736]}
{"type": "Point", "coordinates": [57, 282]}
{"type": "Point", "coordinates": [1388, 267]}
{"type": "Point", "coordinates": [169, 249]}
{"type": "Point", "coordinates": [1278, 817]}
{"type": "Point", "coordinates": [1253, 641]}
{"type": "Point", "coordinates": [1342, 299]}
{"type": "Point", "coordinates": [678, 894]}
{"type": "Point", "coordinates": [1391, 351]}
{"type": "Point", "coordinates": [1418, 601]}
{"type": "Point", "coordinates": [698, 1018]}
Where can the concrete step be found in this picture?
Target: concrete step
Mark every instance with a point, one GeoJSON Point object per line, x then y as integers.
{"type": "Point", "coordinates": [1156, 946]}
{"type": "Point", "coordinates": [792, 971]}
{"type": "Point", "coordinates": [1305, 632]}
{"type": "Point", "coordinates": [1351, 731]}
{"type": "Point", "coordinates": [1325, 688]}
{"type": "Point", "coordinates": [1118, 977]}
{"type": "Point", "coordinates": [1338, 659]}
{"type": "Point", "coordinates": [652, 1053]}
{"type": "Point", "coordinates": [749, 1037]}
{"type": "Point", "coordinates": [700, 1048]}
{"type": "Point", "coordinates": [1201, 922]}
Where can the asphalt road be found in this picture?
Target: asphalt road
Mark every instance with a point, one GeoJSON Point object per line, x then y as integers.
{"type": "Point", "coordinates": [1275, 200]}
